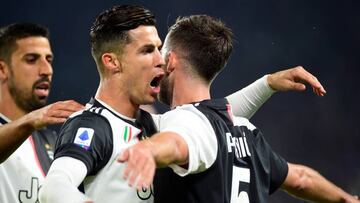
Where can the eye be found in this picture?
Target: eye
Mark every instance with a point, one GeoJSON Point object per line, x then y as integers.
{"type": "Point", "coordinates": [31, 59]}
{"type": "Point", "coordinates": [149, 50]}
{"type": "Point", "coordinates": [49, 59]}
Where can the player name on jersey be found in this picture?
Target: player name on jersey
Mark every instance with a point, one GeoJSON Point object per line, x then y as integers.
{"type": "Point", "coordinates": [239, 144]}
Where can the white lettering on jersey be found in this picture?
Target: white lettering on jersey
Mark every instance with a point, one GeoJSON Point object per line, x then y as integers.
{"type": "Point", "coordinates": [30, 196]}
{"type": "Point", "coordinates": [240, 145]}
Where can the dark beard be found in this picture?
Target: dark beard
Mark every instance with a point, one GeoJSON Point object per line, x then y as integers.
{"type": "Point", "coordinates": [27, 101]}
{"type": "Point", "coordinates": [165, 95]}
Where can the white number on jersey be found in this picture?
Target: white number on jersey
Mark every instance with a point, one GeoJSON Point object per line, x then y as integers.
{"type": "Point", "coordinates": [239, 175]}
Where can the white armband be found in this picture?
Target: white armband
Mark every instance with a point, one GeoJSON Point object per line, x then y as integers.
{"type": "Point", "coordinates": [61, 183]}
{"type": "Point", "coordinates": [248, 100]}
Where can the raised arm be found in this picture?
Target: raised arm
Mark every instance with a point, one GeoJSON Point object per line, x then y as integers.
{"type": "Point", "coordinates": [306, 183]}
{"type": "Point", "coordinates": [13, 134]}
{"type": "Point", "coordinates": [248, 100]}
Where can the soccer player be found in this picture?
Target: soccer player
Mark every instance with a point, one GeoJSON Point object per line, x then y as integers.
{"type": "Point", "coordinates": [214, 155]}
{"type": "Point", "coordinates": [26, 148]}
{"type": "Point", "coordinates": [125, 46]}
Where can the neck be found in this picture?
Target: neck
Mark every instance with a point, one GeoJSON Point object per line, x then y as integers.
{"type": "Point", "coordinates": [8, 106]}
{"type": "Point", "coordinates": [116, 99]}
{"type": "Point", "coordinates": [188, 90]}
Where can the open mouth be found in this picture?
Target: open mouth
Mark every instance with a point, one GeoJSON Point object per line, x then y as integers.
{"type": "Point", "coordinates": [156, 81]}
{"type": "Point", "coordinates": [42, 89]}
{"type": "Point", "coordinates": [43, 86]}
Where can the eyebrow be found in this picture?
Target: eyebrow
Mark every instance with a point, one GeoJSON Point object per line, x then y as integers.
{"type": "Point", "coordinates": [31, 54]}
{"type": "Point", "coordinates": [146, 46]}
{"type": "Point", "coordinates": [37, 55]}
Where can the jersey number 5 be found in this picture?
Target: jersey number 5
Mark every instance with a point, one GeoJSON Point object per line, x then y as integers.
{"type": "Point", "coordinates": [239, 175]}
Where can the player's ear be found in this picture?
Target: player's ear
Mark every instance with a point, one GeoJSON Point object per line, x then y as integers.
{"type": "Point", "coordinates": [4, 71]}
{"type": "Point", "coordinates": [171, 60]}
{"type": "Point", "coordinates": [111, 62]}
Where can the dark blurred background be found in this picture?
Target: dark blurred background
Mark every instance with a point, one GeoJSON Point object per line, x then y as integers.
{"type": "Point", "coordinates": [323, 36]}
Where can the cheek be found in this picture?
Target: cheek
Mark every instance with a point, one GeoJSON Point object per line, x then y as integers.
{"type": "Point", "coordinates": [25, 71]}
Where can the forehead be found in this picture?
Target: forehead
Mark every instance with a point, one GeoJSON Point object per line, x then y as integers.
{"type": "Point", "coordinates": [40, 45]}
{"type": "Point", "coordinates": [143, 35]}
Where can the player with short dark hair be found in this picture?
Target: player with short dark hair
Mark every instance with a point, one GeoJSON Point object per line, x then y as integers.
{"type": "Point", "coordinates": [126, 48]}
{"type": "Point", "coordinates": [26, 148]}
{"type": "Point", "coordinates": [214, 155]}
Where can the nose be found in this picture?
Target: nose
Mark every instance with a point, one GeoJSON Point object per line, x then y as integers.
{"type": "Point", "coordinates": [160, 61]}
{"type": "Point", "coordinates": [46, 68]}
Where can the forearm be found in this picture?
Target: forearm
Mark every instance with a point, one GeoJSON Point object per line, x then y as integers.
{"type": "Point", "coordinates": [57, 189]}
{"type": "Point", "coordinates": [248, 100]}
{"type": "Point", "coordinates": [12, 135]}
{"type": "Point", "coordinates": [62, 181]}
{"type": "Point", "coordinates": [144, 157]}
{"type": "Point", "coordinates": [308, 184]}
{"type": "Point", "coordinates": [169, 148]}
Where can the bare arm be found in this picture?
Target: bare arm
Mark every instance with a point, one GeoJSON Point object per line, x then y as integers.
{"type": "Point", "coordinates": [306, 183]}
{"type": "Point", "coordinates": [178, 145]}
{"type": "Point", "coordinates": [13, 134]}
{"type": "Point", "coordinates": [248, 100]}
{"type": "Point", "coordinates": [160, 150]}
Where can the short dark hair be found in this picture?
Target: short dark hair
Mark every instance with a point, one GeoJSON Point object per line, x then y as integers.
{"type": "Point", "coordinates": [205, 42]}
{"type": "Point", "coordinates": [13, 32]}
{"type": "Point", "coordinates": [110, 29]}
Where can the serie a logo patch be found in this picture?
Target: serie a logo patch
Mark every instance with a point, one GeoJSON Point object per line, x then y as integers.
{"type": "Point", "coordinates": [83, 137]}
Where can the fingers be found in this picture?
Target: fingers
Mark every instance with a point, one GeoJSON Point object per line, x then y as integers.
{"type": "Point", "coordinates": [123, 156]}
{"type": "Point", "coordinates": [135, 176]}
{"type": "Point", "coordinates": [295, 79]}
{"type": "Point", "coordinates": [298, 86]}
{"type": "Point", "coordinates": [59, 111]}
{"type": "Point", "coordinates": [148, 176]}
{"type": "Point", "coordinates": [68, 105]}
{"type": "Point", "coordinates": [319, 92]}
{"type": "Point", "coordinates": [54, 120]}
{"type": "Point", "coordinates": [300, 74]}
{"type": "Point", "coordinates": [139, 172]}
{"type": "Point", "coordinates": [55, 113]}
{"type": "Point", "coordinates": [140, 168]}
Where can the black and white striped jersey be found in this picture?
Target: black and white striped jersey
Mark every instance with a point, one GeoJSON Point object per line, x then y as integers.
{"type": "Point", "coordinates": [22, 173]}
{"type": "Point", "coordinates": [96, 136]}
{"type": "Point", "coordinates": [229, 159]}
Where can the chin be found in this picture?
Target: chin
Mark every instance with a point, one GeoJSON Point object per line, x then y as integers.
{"type": "Point", "coordinates": [42, 100]}
{"type": "Point", "coordinates": [148, 101]}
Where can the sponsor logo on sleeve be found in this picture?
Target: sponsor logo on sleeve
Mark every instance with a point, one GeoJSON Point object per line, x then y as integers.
{"type": "Point", "coordinates": [83, 137]}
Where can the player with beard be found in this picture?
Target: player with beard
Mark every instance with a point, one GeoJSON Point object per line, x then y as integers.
{"type": "Point", "coordinates": [25, 81]}
{"type": "Point", "coordinates": [214, 155]}
{"type": "Point", "coordinates": [126, 48]}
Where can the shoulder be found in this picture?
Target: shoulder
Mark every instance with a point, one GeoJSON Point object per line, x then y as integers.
{"type": "Point", "coordinates": [187, 109]}
{"type": "Point", "coordinates": [184, 114]}
{"type": "Point", "coordinates": [88, 118]}
{"type": "Point", "coordinates": [85, 122]}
